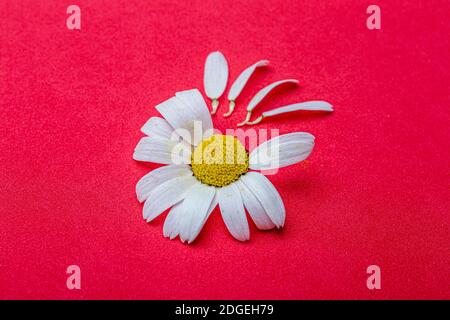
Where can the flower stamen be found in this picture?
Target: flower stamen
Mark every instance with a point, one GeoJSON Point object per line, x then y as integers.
{"type": "Point", "coordinates": [219, 160]}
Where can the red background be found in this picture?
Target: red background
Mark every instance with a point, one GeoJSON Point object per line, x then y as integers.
{"type": "Point", "coordinates": [375, 190]}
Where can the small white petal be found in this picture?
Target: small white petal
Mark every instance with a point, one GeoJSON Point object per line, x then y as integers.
{"type": "Point", "coordinates": [157, 127]}
{"type": "Point", "coordinates": [164, 151]}
{"type": "Point", "coordinates": [282, 151]}
{"type": "Point", "coordinates": [233, 213]}
{"type": "Point", "coordinates": [154, 178]}
{"type": "Point", "coordinates": [243, 78]}
{"type": "Point", "coordinates": [254, 208]}
{"type": "Point", "coordinates": [215, 77]}
{"type": "Point", "coordinates": [265, 91]}
{"type": "Point", "coordinates": [194, 100]}
{"type": "Point", "coordinates": [310, 105]}
{"type": "Point", "coordinates": [196, 208]}
{"type": "Point", "coordinates": [267, 195]}
{"type": "Point", "coordinates": [166, 195]}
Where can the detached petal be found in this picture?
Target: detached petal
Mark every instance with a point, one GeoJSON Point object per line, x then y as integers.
{"type": "Point", "coordinates": [310, 105]}
{"type": "Point", "coordinates": [282, 151]}
{"type": "Point", "coordinates": [157, 127]}
{"type": "Point", "coordinates": [215, 77]}
{"type": "Point", "coordinates": [240, 83]}
{"type": "Point", "coordinates": [233, 213]}
{"type": "Point", "coordinates": [154, 178]}
{"type": "Point", "coordinates": [265, 91]}
{"type": "Point", "coordinates": [243, 78]}
{"type": "Point", "coordinates": [259, 97]}
{"type": "Point", "coordinates": [267, 195]}
{"type": "Point", "coordinates": [196, 208]}
{"type": "Point", "coordinates": [166, 195]}
{"type": "Point", "coordinates": [254, 208]}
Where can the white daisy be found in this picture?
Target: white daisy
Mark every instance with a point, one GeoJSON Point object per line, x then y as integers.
{"type": "Point", "coordinates": [216, 170]}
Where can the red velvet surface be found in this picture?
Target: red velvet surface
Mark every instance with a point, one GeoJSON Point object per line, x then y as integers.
{"type": "Point", "coordinates": [375, 190]}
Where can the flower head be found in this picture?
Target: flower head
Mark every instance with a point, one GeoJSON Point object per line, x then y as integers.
{"type": "Point", "coordinates": [204, 169]}
{"type": "Point", "coordinates": [214, 169]}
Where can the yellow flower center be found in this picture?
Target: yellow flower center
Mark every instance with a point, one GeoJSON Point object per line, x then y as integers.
{"type": "Point", "coordinates": [219, 160]}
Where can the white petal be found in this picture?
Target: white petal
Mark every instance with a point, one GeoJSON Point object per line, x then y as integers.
{"type": "Point", "coordinates": [154, 178]}
{"type": "Point", "coordinates": [282, 151]}
{"type": "Point", "coordinates": [157, 127]}
{"type": "Point", "coordinates": [243, 78]}
{"type": "Point", "coordinates": [166, 195]}
{"type": "Point", "coordinates": [310, 105]}
{"type": "Point", "coordinates": [233, 213]}
{"type": "Point", "coordinates": [164, 151]}
{"type": "Point", "coordinates": [171, 227]}
{"type": "Point", "coordinates": [194, 100]}
{"type": "Point", "coordinates": [174, 220]}
{"type": "Point", "coordinates": [216, 75]}
{"type": "Point", "coordinates": [254, 208]}
{"type": "Point", "coordinates": [182, 118]}
{"type": "Point", "coordinates": [196, 208]}
{"type": "Point", "coordinates": [265, 91]}
{"type": "Point", "coordinates": [267, 195]}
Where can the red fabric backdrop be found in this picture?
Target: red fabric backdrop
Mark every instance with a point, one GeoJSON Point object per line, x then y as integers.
{"type": "Point", "coordinates": [375, 190]}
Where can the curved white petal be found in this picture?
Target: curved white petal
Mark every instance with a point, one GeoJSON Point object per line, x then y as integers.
{"type": "Point", "coordinates": [154, 178]}
{"type": "Point", "coordinates": [254, 208]}
{"type": "Point", "coordinates": [196, 208]}
{"type": "Point", "coordinates": [216, 75]}
{"type": "Point", "coordinates": [233, 213]}
{"type": "Point", "coordinates": [174, 220]}
{"type": "Point", "coordinates": [181, 117]}
{"type": "Point", "coordinates": [267, 195]}
{"type": "Point", "coordinates": [194, 100]}
{"type": "Point", "coordinates": [164, 151]}
{"type": "Point", "coordinates": [309, 105]}
{"type": "Point", "coordinates": [243, 78]}
{"type": "Point", "coordinates": [282, 151]}
{"type": "Point", "coordinates": [171, 227]}
{"type": "Point", "coordinates": [166, 195]}
{"type": "Point", "coordinates": [157, 127]}
{"type": "Point", "coordinates": [265, 91]}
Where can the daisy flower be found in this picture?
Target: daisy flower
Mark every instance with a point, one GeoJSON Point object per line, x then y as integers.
{"type": "Point", "coordinates": [204, 169]}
